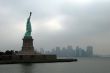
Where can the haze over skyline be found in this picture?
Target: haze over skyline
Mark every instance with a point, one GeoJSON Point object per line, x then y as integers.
{"type": "Point", "coordinates": [56, 23]}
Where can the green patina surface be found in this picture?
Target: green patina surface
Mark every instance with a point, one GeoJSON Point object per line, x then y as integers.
{"type": "Point", "coordinates": [28, 27]}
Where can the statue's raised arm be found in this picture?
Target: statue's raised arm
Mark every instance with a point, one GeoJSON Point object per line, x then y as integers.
{"type": "Point", "coordinates": [30, 15]}
{"type": "Point", "coordinates": [28, 26]}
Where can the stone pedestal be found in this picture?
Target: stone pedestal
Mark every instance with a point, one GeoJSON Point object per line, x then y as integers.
{"type": "Point", "coordinates": [27, 48]}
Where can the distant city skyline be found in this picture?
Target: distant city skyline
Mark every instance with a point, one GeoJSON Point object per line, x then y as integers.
{"type": "Point", "coordinates": [56, 23]}
{"type": "Point", "coordinates": [69, 51]}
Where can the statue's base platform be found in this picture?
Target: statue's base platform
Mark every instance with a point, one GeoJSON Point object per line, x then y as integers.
{"type": "Point", "coordinates": [28, 53]}
{"type": "Point", "coordinates": [32, 59]}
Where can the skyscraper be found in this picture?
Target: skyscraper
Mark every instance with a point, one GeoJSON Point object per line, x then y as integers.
{"type": "Point", "coordinates": [78, 51]}
{"type": "Point", "coordinates": [89, 51]}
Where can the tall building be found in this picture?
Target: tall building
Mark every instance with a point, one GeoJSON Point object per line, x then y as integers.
{"type": "Point", "coordinates": [58, 51]}
{"type": "Point", "coordinates": [89, 51]}
{"type": "Point", "coordinates": [69, 47]}
{"type": "Point", "coordinates": [42, 51]}
{"type": "Point", "coordinates": [70, 51]}
{"type": "Point", "coordinates": [78, 52]}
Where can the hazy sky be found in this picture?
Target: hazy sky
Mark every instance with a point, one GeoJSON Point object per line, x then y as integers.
{"type": "Point", "coordinates": [56, 23]}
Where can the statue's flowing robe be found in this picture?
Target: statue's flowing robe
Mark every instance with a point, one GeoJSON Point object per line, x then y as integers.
{"type": "Point", "coordinates": [28, 28]}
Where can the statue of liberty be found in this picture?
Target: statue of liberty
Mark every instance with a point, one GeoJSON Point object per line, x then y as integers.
{"type": "Point", "coordinates": [28, 26]}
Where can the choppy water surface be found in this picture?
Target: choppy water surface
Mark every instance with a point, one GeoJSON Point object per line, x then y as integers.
{"type": "Point", "coordinates": [84, 65]}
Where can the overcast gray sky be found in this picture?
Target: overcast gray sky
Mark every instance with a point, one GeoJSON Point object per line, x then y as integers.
{"type": "Point", "coordinates": [56, 23]}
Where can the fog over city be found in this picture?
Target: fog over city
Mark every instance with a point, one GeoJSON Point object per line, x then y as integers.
{"type": "Point", "coordinates": [56, 23]}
